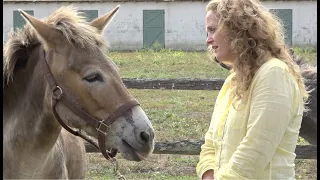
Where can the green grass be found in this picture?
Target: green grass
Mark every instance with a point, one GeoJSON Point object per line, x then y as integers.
{"type": "Point", "coordinates": [310, 53]}
{"type": "Point", "coordinates": [157, 166]}
{"type": "Point", "coordinates": [175, 114]}
{"type": "Point", "coordinates": [166, 64]}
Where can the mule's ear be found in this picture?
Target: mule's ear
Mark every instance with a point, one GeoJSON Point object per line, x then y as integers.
{"type": "Point", "coordinates": [47, 34]}
{"type": "Point", "coordinates": [101, 22]}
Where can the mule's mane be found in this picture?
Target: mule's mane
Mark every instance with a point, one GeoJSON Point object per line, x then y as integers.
{"type": "Point", "coordinates": [68, 21]}
{"type": "Point", "coordinates": [308, 71]}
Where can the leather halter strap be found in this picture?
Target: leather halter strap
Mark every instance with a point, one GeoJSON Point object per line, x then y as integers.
{"type": "Point", "coordinates": [102, 126]}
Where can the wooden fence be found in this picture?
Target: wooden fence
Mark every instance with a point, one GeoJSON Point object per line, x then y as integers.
{"type": "Point", "coordinates": [189, 147]}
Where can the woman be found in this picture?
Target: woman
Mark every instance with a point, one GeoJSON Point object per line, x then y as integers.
{"type": "Point", "coordinates": [258, 112]}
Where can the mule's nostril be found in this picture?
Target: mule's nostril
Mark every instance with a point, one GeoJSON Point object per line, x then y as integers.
{"type": "Point", "coordinates": [145, 136]}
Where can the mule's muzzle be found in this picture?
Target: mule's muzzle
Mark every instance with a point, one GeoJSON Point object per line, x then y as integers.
{"type": "Point", "coordinates": [136, 153]}
{"type": "Point", "coordinates": [139, 146]}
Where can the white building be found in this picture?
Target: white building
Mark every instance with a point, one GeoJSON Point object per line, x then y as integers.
{"type": "Point", "coordinates": [173, 24]}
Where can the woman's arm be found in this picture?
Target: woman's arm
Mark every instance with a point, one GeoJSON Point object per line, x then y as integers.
{"type": "Point", "coordinates": [207, 154]}
{"type": "Point", "coordinates": [208, 175]}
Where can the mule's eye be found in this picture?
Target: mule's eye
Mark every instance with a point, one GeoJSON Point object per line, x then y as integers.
{"type": "Point", "coordinates": [93, 78]}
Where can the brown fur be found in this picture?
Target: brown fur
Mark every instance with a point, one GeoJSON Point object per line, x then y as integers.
{"type": "Point", "coordinates": [309, 122]}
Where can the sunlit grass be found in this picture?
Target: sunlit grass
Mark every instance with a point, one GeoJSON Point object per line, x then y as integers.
{"type": "Point", "coordinates": [167, 64]}
{"type": "Point", "coordinates": [309, 53]}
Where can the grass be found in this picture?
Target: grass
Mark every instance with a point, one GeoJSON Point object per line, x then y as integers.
{"type": "Point", "coordinates": [166, 64]}
{"type": "Point", "coordinates": [175, 114]}
{"type": "Point", "coordinates": [157, 166]}
{"type": "Point", "coordinates": [310, 53]}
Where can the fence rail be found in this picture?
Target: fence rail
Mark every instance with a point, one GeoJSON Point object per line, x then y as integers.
{"type": "Point", "coordinates": [186, 84]}
{"type": "Point", "coordinates": [187, 147]}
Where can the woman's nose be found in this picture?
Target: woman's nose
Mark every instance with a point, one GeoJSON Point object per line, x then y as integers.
{"type": "Point", "coordinates": [209, 40]}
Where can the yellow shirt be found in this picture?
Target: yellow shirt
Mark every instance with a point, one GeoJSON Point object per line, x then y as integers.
{"type": "Point", "coordinates": [257, 141]}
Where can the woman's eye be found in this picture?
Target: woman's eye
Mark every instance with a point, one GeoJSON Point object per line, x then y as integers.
{"type": "Point", "coordinates": [93, 78]}
{"type": "Point", "coordinates": [211, 29]}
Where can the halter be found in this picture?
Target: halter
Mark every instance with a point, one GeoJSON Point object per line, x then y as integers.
{"type": "Point", "coordinates": [102, 126]}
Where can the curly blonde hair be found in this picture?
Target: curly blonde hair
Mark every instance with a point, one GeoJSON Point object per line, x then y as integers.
{"type": "Point", "coordinates": [255, 35]}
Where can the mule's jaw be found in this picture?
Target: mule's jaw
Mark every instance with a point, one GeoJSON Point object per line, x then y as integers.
{"type": "Point", "coordinates": [132, 154]}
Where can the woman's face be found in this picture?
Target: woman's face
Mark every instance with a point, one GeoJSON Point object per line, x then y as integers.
{"type": "Point", "coordinates": [218, 40]}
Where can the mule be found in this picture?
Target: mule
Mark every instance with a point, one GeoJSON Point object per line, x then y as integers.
{"type": "Point", "coordinates": [308, 128]}
{"type": "Point", "coordinates": [57, 78]}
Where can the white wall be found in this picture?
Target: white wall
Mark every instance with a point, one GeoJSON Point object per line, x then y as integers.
{"type": "Point", "coordinates": [304, 17]}
{"type": "Point", "coordinates": [184, 21]}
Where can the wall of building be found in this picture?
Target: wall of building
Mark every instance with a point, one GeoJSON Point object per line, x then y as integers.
{"type": "Point", "coordinates": [184, 21]}
{"type": "Point", "coordinates": [304, 16]}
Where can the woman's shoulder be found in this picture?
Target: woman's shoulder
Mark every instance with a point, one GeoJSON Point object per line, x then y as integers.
{"type": "Point", "coordinates": [271, 65]}
{"type": "Point", "coordinates": [274, 63]}
{"type": "Point", "coordinates": [273, 70]}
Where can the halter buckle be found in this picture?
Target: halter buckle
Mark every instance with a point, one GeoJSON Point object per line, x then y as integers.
{"type": "Point", "coordinates": [54, 95]}
{"type": "Point", "coordinates": [104, 127]}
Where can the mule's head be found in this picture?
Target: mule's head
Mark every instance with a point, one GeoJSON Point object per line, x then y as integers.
{"type": "Point", "coordinates": [77, 57]}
